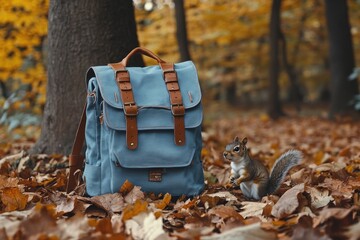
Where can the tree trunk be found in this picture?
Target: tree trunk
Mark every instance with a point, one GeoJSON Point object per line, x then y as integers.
{"type": "Point", "coordinates": [294, 91]}
{"type": "Point", "coordinates": [274, 105]}
{"type": "Point", "coordinates": [341, 56]}
{"type": "Point", "coordinates": [81, 34]}
{"type": "Point", "coordinates": [181, 33]}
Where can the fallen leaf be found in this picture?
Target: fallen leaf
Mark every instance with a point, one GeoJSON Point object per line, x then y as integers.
{"type": "Point", "coordinates": [288, 202]}
{"type": "Point", "coordinates": [132, 210]}
{"type": "Point", "coordinates": [111, 203]}
{"type": "Point", "coordinates": [126, 187]}
{"type": "Point", "coordinates": [225, 212]}
{"type": "Point", "coordinates": [117, 223]}
{"type": "Point", "coordinates": [353, 232]}
{"type": "Point", "coordinates": [104, 226]}
{"type": "Point", "coordinates": [319, 198]}
{"type": "Point", "coordinates": [304, 230]}
{"type": "Point", "coordinates": [345, 152]}
{"type": "Point", "coordinates": [10, 221]}
{"type": "Point", "coordinates": [13, 199]}
{"type": "Point", "coordinates": [328, 213]}
{"type": "Point", "coordinates": [253, 232]}
{"type": "Point", "coordinates": [74, 228]}
{"type": "Point", "coordinates": [145, 226]}
{"type": "Point", "coordinates": [65, 205]}
{"type": "Point", "coordinates": [194, 233]}
{"type": "Point", "coordinates": [337, 187]}
{"type": "Point", "coordinates": [209, 202]}
{"type": "Point", "coordinates": [41, 221]}
{"type": "Point", "coordinates": [164, 202]}
{"type": "Point", "coordinates": [252, 209]}
{"type": "Point", "coordinates": [134, 195]}
{"type": "Point", "coordinates": [226, 195]}
{"type": "Point", "coordinates": [8, 182]}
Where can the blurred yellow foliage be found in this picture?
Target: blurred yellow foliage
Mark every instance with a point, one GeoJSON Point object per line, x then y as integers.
{"type": "Point", "coordinates": [228, 43]}
{"type": "Point", "coordinates": [23, 30]}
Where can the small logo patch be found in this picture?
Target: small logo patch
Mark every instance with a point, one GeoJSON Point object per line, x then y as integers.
{"type": "Point", "coordinates": [155, 175]}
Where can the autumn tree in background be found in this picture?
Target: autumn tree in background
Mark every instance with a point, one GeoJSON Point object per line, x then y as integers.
{"type": "Point", "coordinates": [274, 104]}
{"type": "Point", "coordinates": [341, 56]}
{"type": "Point", "coordinates": [181, 31]}
{"type": "Point", "coordinates": [81, 34]}
{"type": "Point", "coordinates": [23, 30]}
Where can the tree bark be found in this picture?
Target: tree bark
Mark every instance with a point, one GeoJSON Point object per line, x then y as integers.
{"type": "Point", "coordinates": [341, 56]}
{"type": "Point", "coordinates": [294, 91]}
{"type": "Point", "coordinates": [181, 32]}
{"type": "Point", "coordinates": [81, 34]}
{"type": "Point", "coordinates": [274, 105]}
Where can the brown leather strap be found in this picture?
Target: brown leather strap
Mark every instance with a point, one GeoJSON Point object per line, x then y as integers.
{"type": "Point", "coordinates": [127, 98]}
{"type": "Point", "coordinates": [177, 107]}
{"type": "Point", "coordinates": [76, 160]}
{"type": "Point", "coordinates": [144, 51]}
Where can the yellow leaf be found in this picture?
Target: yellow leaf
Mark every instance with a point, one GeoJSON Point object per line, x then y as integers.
{"type": "Point", "coordinates": [134, 209]}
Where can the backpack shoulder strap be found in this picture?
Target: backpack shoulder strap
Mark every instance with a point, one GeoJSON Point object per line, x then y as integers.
{"type": "Point", "coordinates": [76, 160]}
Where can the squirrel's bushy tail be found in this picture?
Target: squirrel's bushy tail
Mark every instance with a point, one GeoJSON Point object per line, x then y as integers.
{"type": "Point", "coordinates": [282, 165]}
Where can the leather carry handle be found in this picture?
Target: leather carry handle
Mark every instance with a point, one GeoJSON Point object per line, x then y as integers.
{"type": "Point", "coordinates": [143, 51]}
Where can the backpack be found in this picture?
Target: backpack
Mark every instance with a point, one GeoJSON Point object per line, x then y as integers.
{"type": "Point", "coordinates": [141, 124]}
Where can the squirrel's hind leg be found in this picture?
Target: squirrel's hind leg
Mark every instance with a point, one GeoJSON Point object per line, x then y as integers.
{"type": "Point", "coordinates": [250, 190]}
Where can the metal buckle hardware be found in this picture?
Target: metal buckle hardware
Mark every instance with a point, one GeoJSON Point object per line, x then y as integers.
{"type": "Point", "coordinates": [180, 107]}
{"type": "Point", "coordinates": [130, 104]}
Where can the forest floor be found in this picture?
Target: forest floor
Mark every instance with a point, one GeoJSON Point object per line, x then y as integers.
{"type": "Point", "coordinates": [319, 199]}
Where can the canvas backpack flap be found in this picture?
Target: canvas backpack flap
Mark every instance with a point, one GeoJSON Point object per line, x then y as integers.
{"type": "Point", "coordinates": [156, 149]}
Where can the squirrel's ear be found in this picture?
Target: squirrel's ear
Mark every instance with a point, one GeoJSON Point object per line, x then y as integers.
{"type": "Point", "coordinates": [236, 139]}
{"type": "Point", "coordinates": [244, 141]}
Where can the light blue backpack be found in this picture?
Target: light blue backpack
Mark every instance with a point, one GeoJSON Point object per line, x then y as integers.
{"type": "Point", "coordinates": [142, 125]}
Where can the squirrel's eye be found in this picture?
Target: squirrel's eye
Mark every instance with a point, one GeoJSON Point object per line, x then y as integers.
{"type": "Point", "coordinates": [236, 149]}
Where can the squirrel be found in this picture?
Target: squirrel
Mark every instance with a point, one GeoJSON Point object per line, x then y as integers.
{"type": "Point", "coordinates": [251, 175]}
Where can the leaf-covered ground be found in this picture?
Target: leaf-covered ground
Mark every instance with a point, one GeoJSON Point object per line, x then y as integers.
{"type": "Point", "coordinates": [319, 199]}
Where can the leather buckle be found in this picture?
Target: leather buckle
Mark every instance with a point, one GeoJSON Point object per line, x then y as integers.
{"type": "Point", "coordinates": [130, 106]}
{"type": "Point", "coordinates": [177, 110]}
{"type": "Point", "coordinates": [172, 80]}
{"type": "Point", "coordinates": [123, 78]}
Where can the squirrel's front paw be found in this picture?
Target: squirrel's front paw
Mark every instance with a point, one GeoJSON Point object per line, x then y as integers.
{"type": "Point", "coordinates": [232, 179]}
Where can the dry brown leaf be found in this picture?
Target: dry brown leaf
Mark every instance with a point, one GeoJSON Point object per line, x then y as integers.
{"type": "Point", "coordinates": [353, 232]}
{"type": "Point", "coordinates": [134, 195]}
{"type": "Point", "coordinates": [111, 203]}
{"type": "Point", "coordinates": [13, 199]}
{"type": "Point", "coordinates": [10, 221]}
{"type": "Point", "coordinates": [145, 226]}
{"type": "Point", "coordinates": [6, 182]}
{"type": "Point", "coordinates": [194, 233]}
{"type": "Point", "coordinates": [304, 230]}
{"type": "Point", "coordinates": [253, 232]}
{"type": "Point", "coordinates": [74, 228]}
{"type": "Point", "coordinates": [345, 152]}
{"type": "Point", "coordinates": [319, 198]}
{"type": "Point", "coordinates": [331, 167]}
{"type": "Point", "coordinates": [328, 213]}
{"type": "Point", "coordinates": [252, 209]}
{"type": "Point", "coordinates": [288, 202]}
{"type": "Point", "coordinates": [225, 212]}
{"type": "Point", "coordinates": [65, 205]}
{"type": "Point", "coordinates": [104, 226]}
{"type": "Point", "coordinates": [337, 187]}
{"type": "Point", "coordinates": [208, 201]}
{"type": "Point", "coordinates": [226, 195]}
{"type": "Point", "coordinates": [117, 223]}
{"type": "Point", "coordinates": [41, 221]}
